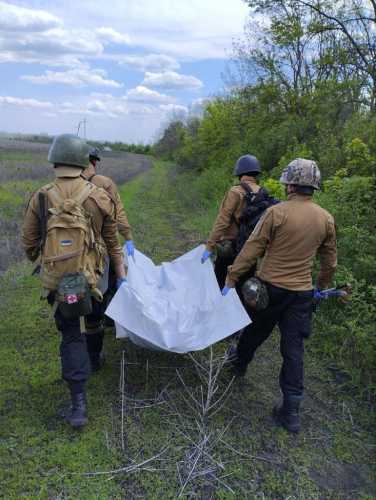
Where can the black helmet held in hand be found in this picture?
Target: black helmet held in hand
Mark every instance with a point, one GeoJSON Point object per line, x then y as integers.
{"type": "Point", "coordinates": [247, 164]}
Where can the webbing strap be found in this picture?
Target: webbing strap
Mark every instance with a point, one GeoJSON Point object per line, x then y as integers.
{"type": "Point", "coordinates": [246, 188]}
{"type": "Point", "coordinates": [84, 194]}
{"type": "Point", "coordinates": [82, 324]}
{"type": "Point", "coordinates": [59, 258]}
{"type": "Point", "coordinates": [80, 196]}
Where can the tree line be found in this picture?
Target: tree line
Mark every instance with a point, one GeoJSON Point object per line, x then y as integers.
{"type": "Point", "coordinates": [302, 83]}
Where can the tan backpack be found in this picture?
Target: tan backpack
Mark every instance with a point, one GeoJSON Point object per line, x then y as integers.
{"type": "Point", "coordinates": [70, 245]}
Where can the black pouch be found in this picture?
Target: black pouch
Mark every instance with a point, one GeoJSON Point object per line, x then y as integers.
{"type": "Point", "coordinates": [225, 250]}
{"type": "Point", "coordinates": [73, 296]}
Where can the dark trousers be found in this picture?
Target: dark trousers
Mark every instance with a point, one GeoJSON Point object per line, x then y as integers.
{"type": "Point", "coordinates": [220, 268]}
{"type": "Point", "coordinates": [109, 294]}
{"type": "Point", "coordinates": [76, 348]}
{"type": "Point", "coordinates": [292, 312]}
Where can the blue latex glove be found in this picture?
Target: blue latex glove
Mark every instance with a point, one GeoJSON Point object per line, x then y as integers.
{"type": "Point", "coordinates": [120, 281]}
{"type": "Point", "coordinates": [225, 290]}
{"type": "Point", "coordinates": [317, 295]}
{"type": "Point", "coordinates": [129, 245]}
{"type": "Point", "coordinates": [205, 256]}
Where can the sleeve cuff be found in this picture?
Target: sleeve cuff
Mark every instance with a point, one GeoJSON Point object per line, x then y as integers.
{"type": "Point", "coordinates": [230, 282]}
{"type": "Point", "coordinates": [127, 235]}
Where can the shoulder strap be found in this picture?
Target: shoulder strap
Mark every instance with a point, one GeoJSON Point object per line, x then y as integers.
{"type": "Point", "coordinates": [83, 194]}
{"type": "Point", "coordinates": [80, 196]}
{"type": "Point", "coordinates": [90, 178]}
{"type": "Point", "coordinates": [246, 188]}
{"type": "Point", "coordinates": [54, 196]}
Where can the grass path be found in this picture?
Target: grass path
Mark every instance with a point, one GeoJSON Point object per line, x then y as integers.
{"type": "Point", "coordinates": [40, 457]}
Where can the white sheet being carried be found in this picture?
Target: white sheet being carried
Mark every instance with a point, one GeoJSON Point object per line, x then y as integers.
{"type": "Point", "coordinates": [176, 306]}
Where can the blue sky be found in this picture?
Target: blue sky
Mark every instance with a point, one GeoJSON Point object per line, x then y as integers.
{"type": "Point", "coordinates": [126, 66]}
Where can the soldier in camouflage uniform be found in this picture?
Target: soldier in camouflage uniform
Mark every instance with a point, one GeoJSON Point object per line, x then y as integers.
{"type": "Point", "coordinates": [289, 235]}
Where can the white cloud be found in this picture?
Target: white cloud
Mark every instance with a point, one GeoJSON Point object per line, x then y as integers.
{"type": "Point", "coordinates": [101, 95]}
{"type": "Point", "coordinates": [25, 103]}
{"type": "Point", "coordinates": [98, 104]}
{"type": "Point", "coordinates": [65, 36]}
{"type": "Point", "coordinates": [109, 35]}
{"type": "Point", "coordinates": [107, 105]}
{"type": "Point", "coordinates": [142, 110]}
{"type": "Point", "coordinates": [143, 94]}
{"type": "Point", "coordinates": [37, 36]}
{"type": "Point", "coordinates": [77, 77]}
{"type": "Point", "coordinates": [14, 18]}
{"type": "Point", "coordinates": [55, 42]}
{"type": "Point", "coordinates": [53, 47]}
{"type": "Point", "coordinates": [194, 30]}
{"type": "Point", "coordinates": [172, 80]}
{"type": "Point", "coordinates": [149, 62]}
{"type": "Point", "coordinates": [198, 106]}
{"type": "Point", "coordinates": [174, 109]}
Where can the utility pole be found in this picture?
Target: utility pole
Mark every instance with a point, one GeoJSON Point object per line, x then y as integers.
{"type": "Point", "coordinates": [82, 122]}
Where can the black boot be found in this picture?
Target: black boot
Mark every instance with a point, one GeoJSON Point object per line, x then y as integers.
{"type": "Point", "coordinates": [237, 367]}
{"type": "Point", "coordinates": [286, 414]}
{"type": "Point", "coordinates": [77, 414]}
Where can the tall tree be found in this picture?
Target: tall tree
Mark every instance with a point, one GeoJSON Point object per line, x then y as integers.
{"type": "Point", "coordinates": [342, 35]}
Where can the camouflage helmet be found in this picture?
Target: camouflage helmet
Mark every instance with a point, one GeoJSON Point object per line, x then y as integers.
{"type": "Point", "coordinates": [301, 172]}
{"type": "Point", "coordinates": [255, 294]}
{"type": "Point", "coordinates": [69, 149]}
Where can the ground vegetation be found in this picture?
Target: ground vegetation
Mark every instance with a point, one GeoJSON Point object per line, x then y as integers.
{"type": "Point", "coordinates": [301, 84]}
{"type": "Point", "coordinates": [164, 425]}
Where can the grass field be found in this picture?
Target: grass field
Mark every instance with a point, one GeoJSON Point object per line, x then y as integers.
{"type": "Point", "coordinates": [146, 431]}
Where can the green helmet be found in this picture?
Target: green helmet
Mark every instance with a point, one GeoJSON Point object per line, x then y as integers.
{"type": "Point", "coordinates": [69, 149]}
{"type": "Point", "coordinates": [255, 294]}
{"type": "Point", "coordinates": [301, 172]}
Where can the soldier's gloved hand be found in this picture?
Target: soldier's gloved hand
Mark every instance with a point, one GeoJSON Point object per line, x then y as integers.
{"type": "Point", "coordinates": [205, 256]}
{"type": "Point", "coordinates": [317, 295]}
{"type": "Point", "coordinates": [225, 290]}
{"type": "Point", "coordinates": [119, 282]}
{"type": "Point", "coordinates": [129, 246]}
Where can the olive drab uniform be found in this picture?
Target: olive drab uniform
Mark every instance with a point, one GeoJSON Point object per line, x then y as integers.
{"type": "Point", "coordinates": [75, 347]}
{"type": "Point", "coordinates": [289, 235]}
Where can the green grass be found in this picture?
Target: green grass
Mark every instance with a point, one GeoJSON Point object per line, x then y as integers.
{"type": "Point", "coordinates": [41, 457]}
{"type": "Point", "coordinates": [9, 202]}
{"type": "Point", "coordinates": [17, 156]}
{"type": "Point", "coordinates": [14, 195]}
